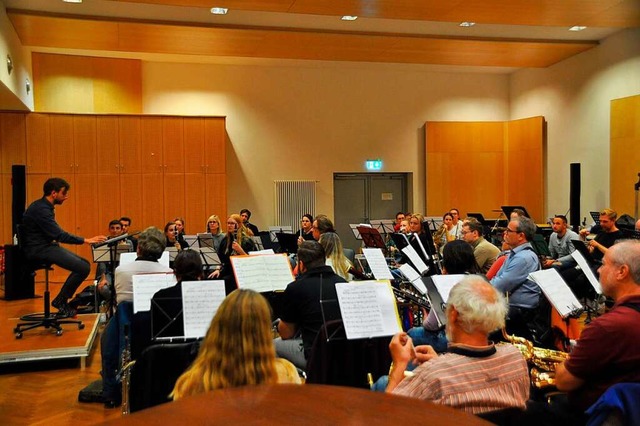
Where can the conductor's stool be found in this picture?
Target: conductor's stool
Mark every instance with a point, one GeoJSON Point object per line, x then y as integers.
{"type": "Point", "coordinates": [43, 319]}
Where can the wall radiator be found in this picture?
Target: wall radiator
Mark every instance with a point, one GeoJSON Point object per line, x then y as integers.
{"type": "Point", "coordinates": [293, 199]}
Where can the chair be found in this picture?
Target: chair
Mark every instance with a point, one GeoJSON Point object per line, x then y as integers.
{"type": "Point", "coordinates": [618, 405]}
{"type": "Point", "coordinates": [156, 371]}
{"type": "Point", "coordinates": [42, 319]}
{"type": "Point", "coordinates": [342, 362]}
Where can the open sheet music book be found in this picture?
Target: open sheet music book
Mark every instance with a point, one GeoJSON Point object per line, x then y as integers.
{"type": "Point", "coordinates": [200, 301]}
{"type": "Point", "coordinates": [444, 284]}
{"type": "Point", "coordinates": [377, 263]}
{"type": "Point", "coordinates": [368, 309]}
{"type": "Point", "coordinates": [584, 265]}
{"type": "Point", "coordinates": [556, 291]}
{"type": "Point", "coordinates": [415, 259]}
{"type": "Point", "coordinates": [145, 286]}
{"type": "Point", "coordinates": [269, 272]}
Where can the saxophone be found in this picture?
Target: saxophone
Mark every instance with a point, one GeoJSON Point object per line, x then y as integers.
{"type": "Point", "coordinates": [542, 362]}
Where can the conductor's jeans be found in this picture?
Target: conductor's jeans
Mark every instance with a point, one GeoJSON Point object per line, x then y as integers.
{"type": "Point", "coordinates": [59, 256]}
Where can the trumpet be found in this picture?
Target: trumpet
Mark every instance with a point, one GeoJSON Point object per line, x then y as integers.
{"type": "Point", "coordinates": [542, 362]}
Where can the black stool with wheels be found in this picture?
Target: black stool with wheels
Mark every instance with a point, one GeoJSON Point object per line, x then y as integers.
{"type": "Point", "coordinates": [44, 319]}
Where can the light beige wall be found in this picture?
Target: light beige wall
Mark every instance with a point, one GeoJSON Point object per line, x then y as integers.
{"type": "Point", "coordinates": [309, 121]}
{"type": "Point", "coordinates": [575, 96]}
{"type": "Point", "coordinates": [13, 93]}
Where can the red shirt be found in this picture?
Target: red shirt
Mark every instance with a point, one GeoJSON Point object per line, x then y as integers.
{"type": "Point", "coordinates": [607, 352]}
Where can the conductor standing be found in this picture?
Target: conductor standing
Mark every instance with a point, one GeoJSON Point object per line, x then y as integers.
{"type": "Point", "coordinates": [41, 238]}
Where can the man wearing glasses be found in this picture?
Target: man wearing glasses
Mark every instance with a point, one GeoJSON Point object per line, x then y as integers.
{"type": "Point", "coordinates": [512, 278]}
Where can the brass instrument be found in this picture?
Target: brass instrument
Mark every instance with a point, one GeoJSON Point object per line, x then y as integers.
{"type": "Point", "coordinates": [125, 372]}
{"type": "Point", "coordinates": [542, 362]}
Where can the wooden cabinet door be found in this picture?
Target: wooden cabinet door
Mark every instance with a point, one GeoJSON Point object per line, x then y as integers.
{"type": "Point", "coordinates": [62, 155]}
{"type": "Point", "coordinates": [216, 194]}
{"type": "Point", "coordinates": [107, 144]}
{"type": "Point", "coordinates": [215, 137]}
{"type": "Point", "coordinates": [13, 143]}
{"type": "Point", "coordinates": [131, 201]}
{"type": "Point", "coordinates": [108, 200]}
{"type": "Point", "coordinates": [194, 153]}
{"type": "Point", "coordinates": [86, 205]}
{"type": "Point", "coordinates": [195, 194]}
{"type": "Point", "coordinates": [174, 196]}
{"type": "Point", "coordinates": [173, 144]}
{"type": "Point", "coordinates": [5, 210]}
{"type": "Point", "coordinates": [84, 144]}
{"type": "Point", "coordinates": [130, 141]}
{"type": "Point", "coordinates": [38, 143]}
{"type": "Point", "coordinates": [152, 195]}
{"type": "Point", "coordinates": [151, 145]}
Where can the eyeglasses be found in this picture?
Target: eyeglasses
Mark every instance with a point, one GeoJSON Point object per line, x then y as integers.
{"type": "Point", "coordinates": [511, 230]}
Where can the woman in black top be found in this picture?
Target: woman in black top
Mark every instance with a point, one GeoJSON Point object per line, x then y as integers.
{"type": "Point", "coordinates": [237, 242]}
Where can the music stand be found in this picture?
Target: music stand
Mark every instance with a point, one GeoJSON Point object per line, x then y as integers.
{"type": "Point", "coordinates": [433, 222]}
{"type": "Point", "coordinates": [581, 246]}
{"type": "Point", "coordinates": [371, 237]}
{"type": "Point", "coordinates": [190, 240]}
{"type": "Point", "coordinates": [209, 257]}
{"type": "Point", "coordinates": [109, 252]}
{"type": "Point", "coordinates": [400, 240]}
{"type": "Point", "coordinates": [384, 226]}
{"type": "Point", "coordinates": [288, 242]}
{"type": "Point", "coordinates": [258, 242]}
{"type": "Point", "coordinates": [435, 300]}
{"type": "Point", "coordinates": [478, 216]}
{"type": "Point", "coordinates": [540, 246]}
{"type": "Point", "coordinates": [167, 322]}
{"type": "Point", "coordinates": [595, 216]}
{"type": "Point", "coordinates": [273, 230]}
{"type": "Point", "coordinates": [205, 239]}
{"type": "Point", "coordinates": [508, 209]}
{"type": "Point", "coordinates": [354, 229]}
{"type": "Point", "coordinates": [173, 252]}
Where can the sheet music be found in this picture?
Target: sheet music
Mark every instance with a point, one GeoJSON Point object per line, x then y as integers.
{"type": "Point", "coordinates": [354, 229]}
{"type": "Point", "coordinates": [260, 252]}
{"type": "Point", "coordinates": [444, 284]}
{"type": "Point", "coordinates": [377, 263]}
{"type": "Point", "coordinates": [413, 276]}
{"type": "Point", "coordinates": [145, 286]}
{"type": "Point", "coordinates": [417, 261]}
{"type": "Point", "coordinates": [200, 301]}
{"type": "Point", "coordinates": [368, 309]}
{"type": "Point", "coordinates": [128, 258]}
{"type": "Point", "coordinates": [582, 262]}
{"type": "Point", "coordinates": [269, 272]}
{"type": "Point", "coordinates": [556, 290]}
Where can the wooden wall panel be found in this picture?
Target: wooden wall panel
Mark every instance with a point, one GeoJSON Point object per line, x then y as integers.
{"type": "Point", "coordinates": [38, 143]}
{"type": "Point", "coordinates": [132, 203]}
{"type": "Point", "coordinates": [152, 195]}
{"type": "Point", "coordinates": [194, 150]}
{"type": "Point", "coordinates": [174, 196]}
{"type": "Point", "coordinates": [151, 145]}
{"type": "Point", "coordinates": [130, 143]}
{"type": "Point", "coordinates": [215, 145]}
{"type": "Point", "coordinates": [173, 144]}
{"type": "Point", "coordinates": [81, 84]}
{"type": "Point", "coordinates": [62, 155]}
{"type": "Point", "coordinates": [625, 155]}
{"type": "Point", "coordinates": [195, 193]}
{"type": "Point", "coordinates": [216, 195]}
{"type": "Point", "coordinates": [480, 166]}
{"type": "Point", "coordinates": [13, 140]}
{"type": "Point", "coordinates": [84, 144]}
{"type": "Point", "coordinates": [107, 144]}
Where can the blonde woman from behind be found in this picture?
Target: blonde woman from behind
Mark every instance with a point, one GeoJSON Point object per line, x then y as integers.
{"type": "Point", "coordinates": [237, 350]}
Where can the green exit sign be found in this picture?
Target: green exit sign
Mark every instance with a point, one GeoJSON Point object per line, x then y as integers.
{"type": "Point", "coordinates": [374, 164]}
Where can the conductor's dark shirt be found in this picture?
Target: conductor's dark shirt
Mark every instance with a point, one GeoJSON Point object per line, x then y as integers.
{"type": "Point", "coordinates": [39, 228]}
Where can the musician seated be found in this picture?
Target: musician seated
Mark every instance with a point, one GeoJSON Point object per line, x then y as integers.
{"type": "Point", "coordinates": [512, 278]}
{"type": "Point", "coordinates": [607, 237]}
{"type": "Point", "coordinates": [484, 252]}
{"type": "Point", "coordinates": [186, 267]}
{"type": "Point", "coordinates": [607, 350]}
{"type": "Point", "coordinates": [302, 311]}
{"type": "Point", "coordinates": [335, 258]}
{"type": "Point", "coordinates": [151, 244]}
{"type": "Point", "coordinates": [104, 270]}
{"type": "Point", "coordinates": [560, 245]}
{"type": "Point", "coordinates": [459, 378]}
{"type": "Point", "coordinates": [457, 258]}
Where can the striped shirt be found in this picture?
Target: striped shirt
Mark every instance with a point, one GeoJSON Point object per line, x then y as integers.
{"type": "Point", "coordinates": [471, 379]}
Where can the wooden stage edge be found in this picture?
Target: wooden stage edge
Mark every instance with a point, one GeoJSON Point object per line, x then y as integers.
{"type": "Point", "coordinates": [42, 344]}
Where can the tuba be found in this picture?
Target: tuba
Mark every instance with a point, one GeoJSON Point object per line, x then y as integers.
{"type": "Point", "coordinates": [542, 362]}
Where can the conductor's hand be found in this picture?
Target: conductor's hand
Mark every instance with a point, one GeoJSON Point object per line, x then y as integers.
{"type": "Point", "coordinates": [95, 240]}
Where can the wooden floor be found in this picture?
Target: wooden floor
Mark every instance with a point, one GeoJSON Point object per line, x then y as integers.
{"type": "Point", "coordinates": [46, 392]}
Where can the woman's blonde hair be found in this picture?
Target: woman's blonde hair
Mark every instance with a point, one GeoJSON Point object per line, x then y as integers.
{"type": "Point", "coordinates": [237, 350]}
{"type": "Point", "coordinates": [214, 218]}
{"type": "Point", "coordinates": [330, 242]}
{"type": "Point", "coordinates": [241, 233]}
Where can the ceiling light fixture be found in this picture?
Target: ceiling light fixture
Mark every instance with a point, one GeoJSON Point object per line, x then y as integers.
{"type": "Point", "coordinates": [349, 18]}
{"type": "Point", "coordinates": [72, 1]}
{"type": "Point", "coordinates": [467, 24]}
{"type": "Point", "coordinates": [219, 10]}
{"type": "Point", "coordinates": [577, 28]}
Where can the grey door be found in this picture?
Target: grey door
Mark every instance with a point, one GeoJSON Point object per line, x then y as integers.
{"type": "Point", "coordinates": [360, 197]}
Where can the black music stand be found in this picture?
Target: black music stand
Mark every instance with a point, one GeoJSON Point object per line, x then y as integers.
{"type": "Point", "coordinates": [581, 246]}
{"type": "Point", "coordinates": [540, 246]}
{"type": "Point", "coordinates": [435, 300]}
{"type": "Point", "coordinates": [371, 238]}
{"type": "Point", "coordinates": [478, 216]}
{"type": "Point", "coordinates": [288, 242]}
{"type": "Point", "coordinates": [596, 217]}
{"type": "Point", "coordinates": [508, 209]}
{"type": "Point", "coordinates": [109, 252]}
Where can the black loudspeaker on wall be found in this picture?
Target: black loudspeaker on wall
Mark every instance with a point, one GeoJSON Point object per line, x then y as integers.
{"type": "Point", "coordinates": [574, 196]}
{"type": "Point", "coordinates": [18, 280]}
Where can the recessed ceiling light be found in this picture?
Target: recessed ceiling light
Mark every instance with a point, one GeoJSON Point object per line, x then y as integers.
{"type": "Point", "coordinates": [577, 28]}
{"type": "Point", "coordinates": [467, 24]}
{"type": "Point", "coordinates": [219, 10]}
{"type": "Point", "coordinates": [349, 18]}
{"type": "Point", "coordinates": [72, 1]}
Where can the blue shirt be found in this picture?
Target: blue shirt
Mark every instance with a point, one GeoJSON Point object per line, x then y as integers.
{"type": "Point", "coordinates": [512, 277]}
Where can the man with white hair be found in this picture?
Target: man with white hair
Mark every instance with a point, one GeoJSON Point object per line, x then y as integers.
{"type": "Point", "coordinates": [607, 351]}
{"type": "Point", "coordinates": [474, 375]}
